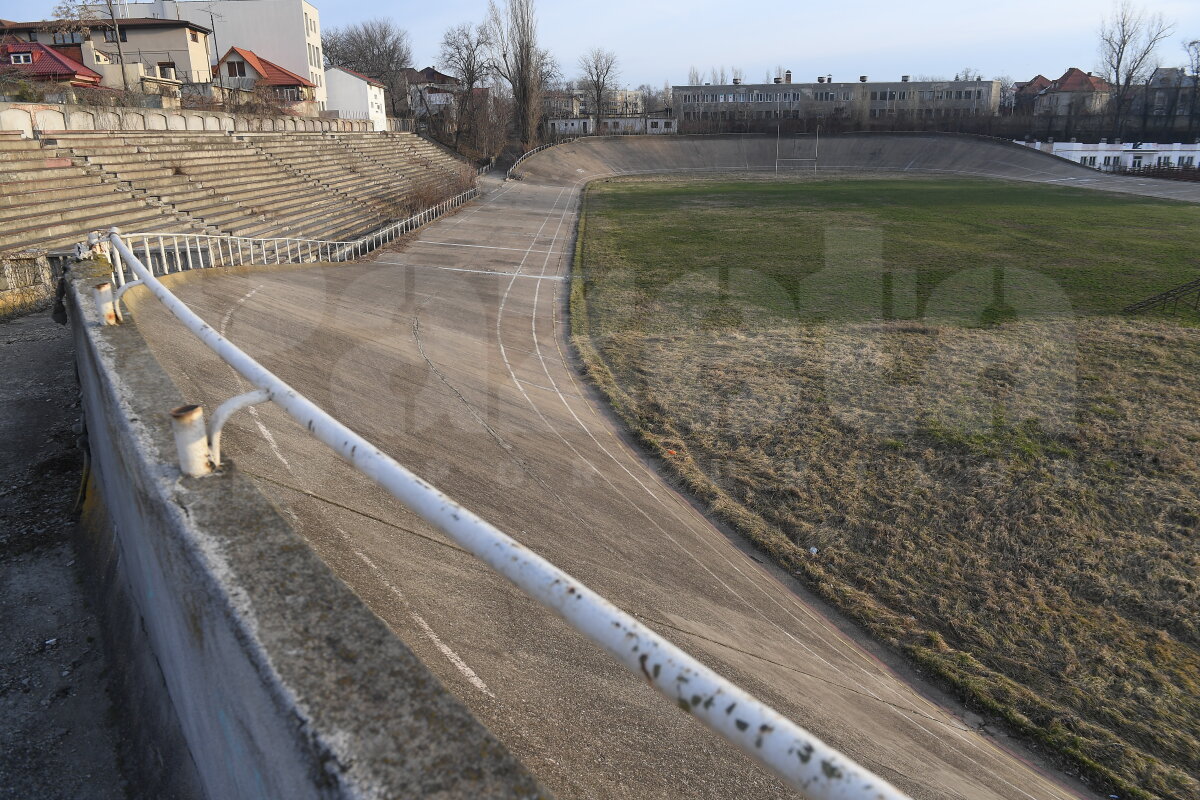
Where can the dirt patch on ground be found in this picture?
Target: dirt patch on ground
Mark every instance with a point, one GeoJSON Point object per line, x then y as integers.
{"type": "Point", "coordinates": [57, 737]}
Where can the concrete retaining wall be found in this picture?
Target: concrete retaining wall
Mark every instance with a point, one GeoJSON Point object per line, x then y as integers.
{"type": "Point", "coordinates": [26, 282]}
{"type": "Point", "coordinates": [250, 669]}
{"type": "Point", "coordinates": [27, 117]}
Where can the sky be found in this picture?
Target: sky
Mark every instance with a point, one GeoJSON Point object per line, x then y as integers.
{"type": "Point", "coordinates": [657, 42]}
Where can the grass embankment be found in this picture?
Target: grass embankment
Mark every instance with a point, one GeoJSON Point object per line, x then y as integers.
{"type": "Point", "coordinates": [926, 380]}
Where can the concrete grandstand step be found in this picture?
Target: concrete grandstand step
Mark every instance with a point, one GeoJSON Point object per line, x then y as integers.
{"type": "Point", "coordinates": [49, 217]}
{"type": "Point", "coordinates": [65, 234]}
{"type": "Point", "coordinates": [28, 193]}
{"type": "Point", "coordinates": [31, 204]}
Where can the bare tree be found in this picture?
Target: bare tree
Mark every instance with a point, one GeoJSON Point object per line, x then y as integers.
{"type": "Point", "coordinates": [379, 49]}
{"type": "Point", "coordinates": [76, 16]}
{"type": "Point", "coordinates": [1192, 49]}
{"type": "Point", "coordinates": [968, 74]}
{"type": "Point", "coordinates": [718, 75]}
{"type": "Point", "coordinates": [516, 57]}
{"type": "Point", "coordinates": [600, 72]}
{"type": "Point", "coordinates": [464, 54]}
{"type": "Point", "coordinates": [1128, 40]}
{"type": "Point", "coordinates": [1008, 93]}
{"type": "Point", "coordinates": [694, 77]}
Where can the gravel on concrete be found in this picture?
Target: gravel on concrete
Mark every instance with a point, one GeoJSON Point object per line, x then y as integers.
{"type": "Point", "coordinates": [58, 737]}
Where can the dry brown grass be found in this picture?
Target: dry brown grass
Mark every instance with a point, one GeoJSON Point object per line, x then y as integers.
{"type": "Point", "coordinates": [1015, 507]}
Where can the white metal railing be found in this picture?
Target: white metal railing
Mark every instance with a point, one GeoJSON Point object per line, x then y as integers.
{"type": "Point", "coordinates": [797, 756]}
{"type": "Point", "coordinates": [513, 168]}
{"type": "Point", "coordinates": [175, 252]}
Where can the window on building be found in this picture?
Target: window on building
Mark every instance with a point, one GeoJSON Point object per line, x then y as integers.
{"type": "Point", "coordinates": [22, 58]}
{"type": "Point", "coordinates": [33, 36]}
{"type": "Point", "coordinates": [193, 35]}
{"type": "Point", "coordinates": [111, 36]}
{"type": "Point", "coordinates": [68, 37]}
{"type": "Point", "coordinates": [235, 69]}
{"type": "Point", "coordinates": [653, 124]}
{"type": "Point", "coordinates": [667, 124]}
{"type": "Point", "coordinates": [1164, 161]}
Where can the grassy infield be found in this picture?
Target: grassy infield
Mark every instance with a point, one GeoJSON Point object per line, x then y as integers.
{"type": "Point", "coordinates": [927, 381]}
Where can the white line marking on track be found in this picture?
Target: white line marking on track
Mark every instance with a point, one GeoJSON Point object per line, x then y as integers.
{"type": "Point", "coordinates": [476, 271]}
{"type": "Point", "coordinates": [845, 644]}
{"type": "Point", "coordinates": [451, 656]}
{"type": "Point", "coordinates": [489, 247]}
{"type": "Point", "coordinates": [266, 434]}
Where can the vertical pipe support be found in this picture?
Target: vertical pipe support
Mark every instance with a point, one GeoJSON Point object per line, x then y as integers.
{"type": "Point", "coordinates": [222, 415]}
{"type": "Point", "coordinates": [191, 440]}
{"type": "Point", "coordinates": [103, 295]}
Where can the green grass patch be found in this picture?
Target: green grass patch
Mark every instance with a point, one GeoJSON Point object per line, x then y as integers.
{"type": "Point", "coordinates": [927, 381]}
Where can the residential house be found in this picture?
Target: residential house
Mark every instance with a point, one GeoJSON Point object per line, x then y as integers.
{"type": "Point", "coordinates": [1026, 93]}
{"type": "Point", "coordinates": [286, 32]}
{"type": "Point", "coordinates": [1170, 92]}
{"type": "Point", "coordinates": [1075, 93]}
{"type": "Point", "coordinates": [558, 104]}
{"type": "Point", "coordinates": [244, 69]}
{"type": "Point", "coordinates": [431, 93]}
{"type": "Point", "coordinates": [616, 103]}
{"type": "Point", "coordinates": [38, 62]}
{"type": "Point", "coordinates": [355, 96]}
{"type": "Point", "coordinates": [161, 51]}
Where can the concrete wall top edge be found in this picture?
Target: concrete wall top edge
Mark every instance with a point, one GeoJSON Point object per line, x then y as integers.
{"type": "Point", "coordinates": [284, 683]}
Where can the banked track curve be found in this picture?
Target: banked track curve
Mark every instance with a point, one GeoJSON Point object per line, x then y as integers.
{"type": "Point", "coordinates": [451, 355]}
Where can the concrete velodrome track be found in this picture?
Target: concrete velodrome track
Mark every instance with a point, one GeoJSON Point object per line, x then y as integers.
{"type": "Point", "coordinates": [451, 355]}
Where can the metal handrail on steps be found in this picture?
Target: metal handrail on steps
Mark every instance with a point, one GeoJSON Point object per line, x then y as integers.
{"type": "Point", "coordinates": [798, 757]}
{"type": "Point", "coordinates": [513, 168]}
{"type": "Point", "coordinates": [175, 252]}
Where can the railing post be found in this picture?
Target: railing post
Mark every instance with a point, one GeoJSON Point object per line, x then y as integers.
{"type": "Point", "coordinates": [103, 296]}
{"type": "Point", "coordinates": [191, 440]}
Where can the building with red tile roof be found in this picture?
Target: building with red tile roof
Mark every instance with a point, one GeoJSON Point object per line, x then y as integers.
{"type": "Point", "coordinates": [1076, 92]}
{"type": "Point", "coordinates": [244, 69]}
{"type": "Point", "coordinates": [42, 63]}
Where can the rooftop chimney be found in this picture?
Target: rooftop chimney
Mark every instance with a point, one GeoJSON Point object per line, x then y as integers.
{"type": "Point", "coordinates": [779, 80]}
{"type": "Point", "coordinates": [904, 79]}
{"type": "Point", "coordinates": [787, 76]}
{"type": "Point", "coordinates": [862, 78]}
{"type": "Point", "coordinates": [737, 81]}
{"type": "Point", "coordinates": [820, 79]}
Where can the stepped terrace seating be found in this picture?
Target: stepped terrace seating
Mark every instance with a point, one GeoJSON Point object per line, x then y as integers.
{"type": "Point", "coordinates": [51, 202]}
{"type": "Point", "coordinates": [288, 185]}
{"type": "Point", "coordinates": [423, 164]}
{"type": "Point", "coordinates": [223, 182]}
{"type": "Point", "coordinates": [328, 162]}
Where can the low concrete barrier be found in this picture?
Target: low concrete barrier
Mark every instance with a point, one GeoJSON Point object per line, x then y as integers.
{"type": "Point", "coordinates": [28, 117]}
{"type": "Point", "coordinates": [251, 670]}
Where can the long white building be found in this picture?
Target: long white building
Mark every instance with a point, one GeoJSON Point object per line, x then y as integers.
{"type": "Point", "coordinates": [1110, 155]}
{"type": "Point", "coordinates": [287, 32]}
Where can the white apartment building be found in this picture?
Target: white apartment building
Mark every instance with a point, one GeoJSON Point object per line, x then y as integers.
{"type": "Point", "coordinates": [1110, 155]}
{"type": "Point", "coordinates": [355, 96]}
{"type": "Point", "coordinates": [287, 32]}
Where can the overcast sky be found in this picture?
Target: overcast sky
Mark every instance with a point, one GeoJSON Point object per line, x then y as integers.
{"type": "Point", "coordinates": [884, 39]}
